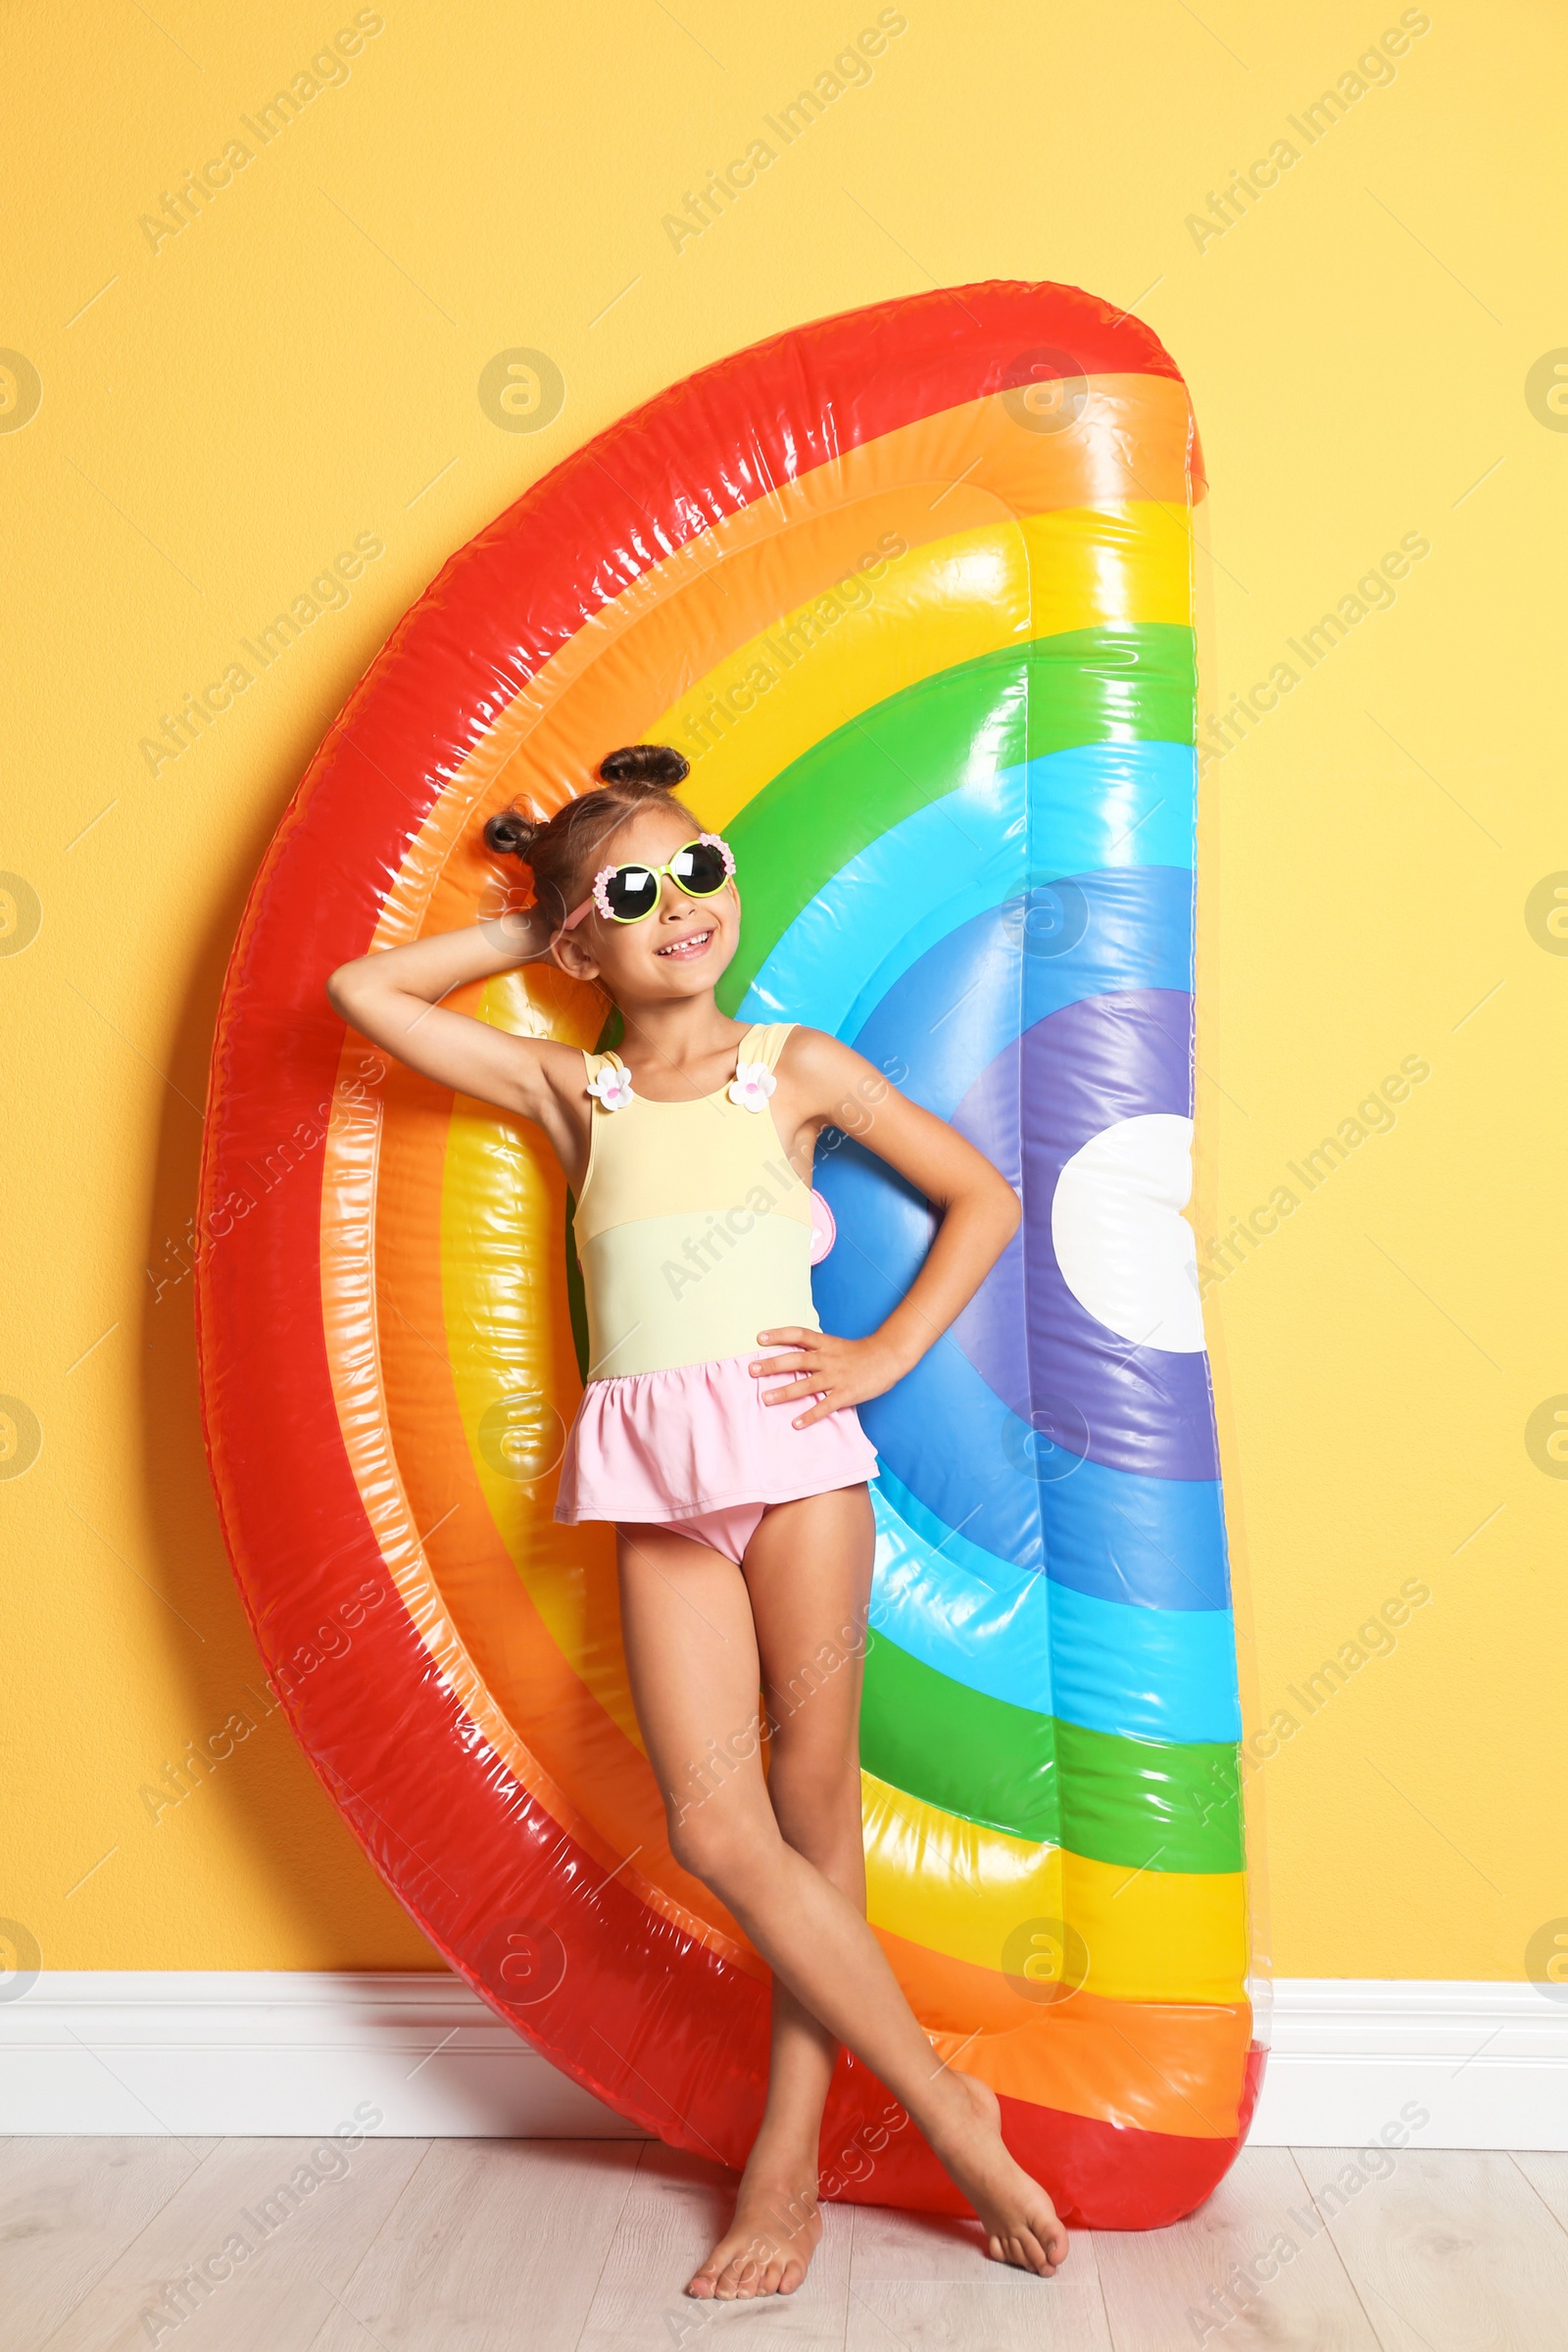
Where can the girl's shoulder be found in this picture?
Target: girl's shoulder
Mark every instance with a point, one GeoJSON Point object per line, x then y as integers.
{"type": "Point", "coordinates": [827, 1072]}
{"type": "Point", "coordinates": [795, 1050]}
{"type": "Point", "coordinates": [765, 1043]}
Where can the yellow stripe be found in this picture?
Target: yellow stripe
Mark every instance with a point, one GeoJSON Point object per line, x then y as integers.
{"type": "Point", "coordinates": [979, 1896]}
{"type": "Point", "coordinates": [513, 1367]}
{"type": "Point", "coordinates": [945, 472]}
{"type": "Point", "coordinates": [952, 601]}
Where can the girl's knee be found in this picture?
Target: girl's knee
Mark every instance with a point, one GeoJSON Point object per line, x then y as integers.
{"type": "Point", "coordinates": [720, 1844]}
{"type": "Point", "coordinates": [815, 1777]}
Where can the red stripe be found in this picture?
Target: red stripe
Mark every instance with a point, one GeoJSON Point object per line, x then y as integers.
{"type": "Point", "coordinates": [513, 596]}
{"type": "Point", "coordinates": [650, 2019]}
{"type": "Point", "coordinates": [1096, 2174]}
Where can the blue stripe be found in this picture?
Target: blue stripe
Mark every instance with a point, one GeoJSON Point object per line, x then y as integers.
{"type": "Point", "coordinates": [1098, 807]}
{"type": "Point", "coordinates": [1157, 1542]}
{"type": "Point", "coordinates": [983, 985]}
{"type": "Point", "coordinates": [1136, 1672]}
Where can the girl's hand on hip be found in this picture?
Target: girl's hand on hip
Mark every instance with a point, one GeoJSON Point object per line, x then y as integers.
{"type": "Point", "coordinates": [831, 1371]}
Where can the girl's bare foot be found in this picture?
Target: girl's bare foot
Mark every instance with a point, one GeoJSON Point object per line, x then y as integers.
{"type": "Point", "coordinates": [1018, 2218]}
{"type": "Point", "coordinates": [767, 2248]}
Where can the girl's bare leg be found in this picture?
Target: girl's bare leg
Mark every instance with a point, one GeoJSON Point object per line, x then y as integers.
{"type": "Point", "coordinates": [810, 1588]}
{"type": "Point", "coordinates": [692, 1651]}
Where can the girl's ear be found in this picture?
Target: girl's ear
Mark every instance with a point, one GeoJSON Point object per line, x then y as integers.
{"type": "Point", "coordinates": [573, 956]}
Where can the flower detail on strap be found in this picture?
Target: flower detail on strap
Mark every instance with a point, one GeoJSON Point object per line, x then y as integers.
{"type": "Point", "coordinates": [716, 841]}
{"type": "Point", "coordinates": [612, 1086]}
{"type": "Point", "coordinates": [751, 1085]}
{"type": "Point", "coordinates": [601, 899]}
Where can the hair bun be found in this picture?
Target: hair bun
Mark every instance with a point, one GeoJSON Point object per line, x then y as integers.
{"type": "Point", "coordinates": [656, 767]}
{"type": "Point", "coordinates": [511, 833]}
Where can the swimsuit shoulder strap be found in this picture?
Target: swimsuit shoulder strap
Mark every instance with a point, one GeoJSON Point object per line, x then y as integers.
{"type": "Point", "coordinates": [765, 1043]}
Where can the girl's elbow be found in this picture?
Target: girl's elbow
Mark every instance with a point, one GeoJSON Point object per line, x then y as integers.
{"type": "Point", "coordinates": [340, 991]}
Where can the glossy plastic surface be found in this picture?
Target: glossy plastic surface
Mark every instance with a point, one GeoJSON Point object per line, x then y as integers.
{"type": "Point", "coordinates": [912, 587]}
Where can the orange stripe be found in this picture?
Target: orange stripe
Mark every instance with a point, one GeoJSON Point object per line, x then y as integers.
{"type": "Point", "coordinates": [956, 470]}
{"type": "Point", "coordinates": [1172, 2068]}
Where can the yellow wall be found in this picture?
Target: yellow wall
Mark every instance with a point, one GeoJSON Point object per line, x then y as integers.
{"type": "Point", "coordinates": [300, 365]}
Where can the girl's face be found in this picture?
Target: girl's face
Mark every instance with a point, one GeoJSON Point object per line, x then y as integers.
{"type": "Point", "coordinates": [678, 951]}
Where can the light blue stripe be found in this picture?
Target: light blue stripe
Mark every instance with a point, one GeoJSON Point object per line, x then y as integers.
{"type": "Point", "coordinates": [1079, 812]}
{"type": "Point", "coordinates": [1151, 1674]}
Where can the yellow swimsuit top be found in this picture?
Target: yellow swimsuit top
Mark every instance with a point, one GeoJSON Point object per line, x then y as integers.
{"type": "Point", "coordinates": [693, 1231]}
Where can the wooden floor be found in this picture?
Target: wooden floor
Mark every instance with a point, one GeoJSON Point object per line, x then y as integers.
{"type": "Point", "coordinates": [547, 2245]}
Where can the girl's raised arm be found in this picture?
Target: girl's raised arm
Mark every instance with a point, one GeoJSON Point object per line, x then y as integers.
{"type": "Point", "coordinates": [394, 997]}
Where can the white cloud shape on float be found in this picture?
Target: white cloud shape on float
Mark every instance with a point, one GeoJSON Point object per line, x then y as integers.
{"type": "Point", "coordinates": [1125, 1251]}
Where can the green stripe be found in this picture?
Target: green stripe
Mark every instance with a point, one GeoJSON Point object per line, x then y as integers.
{"type": "Point", "coordinates": [1140, 1802]}
{"type": "Point", "coordinates": [1022, 703]}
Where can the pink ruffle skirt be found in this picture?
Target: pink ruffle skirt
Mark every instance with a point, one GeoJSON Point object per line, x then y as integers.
{"type": "Point", "coordinates": [653, 1446]}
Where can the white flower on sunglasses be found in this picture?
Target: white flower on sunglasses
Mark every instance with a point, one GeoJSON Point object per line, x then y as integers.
{"type": "Point", "coordinates": [751, 1085]}
{"type": "Point", "coordinates": [612, 1086]}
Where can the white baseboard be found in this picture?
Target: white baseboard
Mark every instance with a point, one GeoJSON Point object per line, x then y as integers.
{"type": "Point", "coordinates": [294, 2054]}
{"type": "Point", "coordinates": [1487, 2061]}
{"type": "Point", "coordinates": [278, 2053]}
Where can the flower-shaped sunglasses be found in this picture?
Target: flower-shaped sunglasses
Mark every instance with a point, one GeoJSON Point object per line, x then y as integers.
{"type": "Point", "coordinates": [628, 894]}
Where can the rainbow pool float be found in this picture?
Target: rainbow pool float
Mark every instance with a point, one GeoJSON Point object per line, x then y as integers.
{"type": "Point", "coordinates": [912, 589]}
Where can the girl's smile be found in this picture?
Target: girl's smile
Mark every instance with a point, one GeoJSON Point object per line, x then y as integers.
{"type": "Point", "coordinates": [686, 950]}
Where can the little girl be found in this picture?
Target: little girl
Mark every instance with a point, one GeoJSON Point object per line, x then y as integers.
{"type": "Point", "coordinates": [744, 1526]}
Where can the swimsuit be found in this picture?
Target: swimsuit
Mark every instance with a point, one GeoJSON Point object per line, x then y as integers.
{"type": "Point", "coordinates": [694, 1234]}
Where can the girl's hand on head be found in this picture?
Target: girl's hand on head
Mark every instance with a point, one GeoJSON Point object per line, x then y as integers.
{"type": "Point", "coordinates": [831, 1371]}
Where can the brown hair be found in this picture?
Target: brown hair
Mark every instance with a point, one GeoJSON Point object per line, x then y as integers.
{"type": "Point", "coordinates": [559, 852]}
